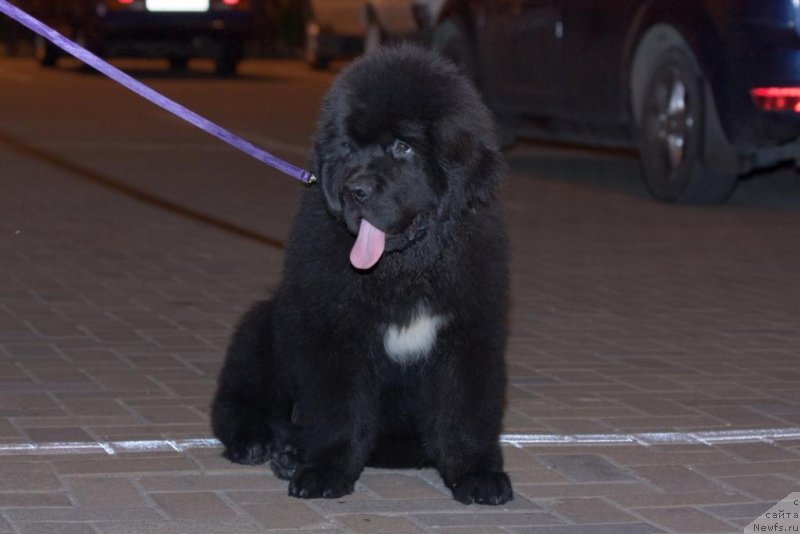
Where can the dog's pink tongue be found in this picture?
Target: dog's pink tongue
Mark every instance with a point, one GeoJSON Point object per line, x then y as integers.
{"type": "Point", "coordinates": [369, 246]}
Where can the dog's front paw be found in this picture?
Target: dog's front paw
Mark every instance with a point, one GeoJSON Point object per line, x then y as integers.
{"type": "Point", "coordinates": [246, 453]}
{"type": "Point", "coordinates": [284, 463]}
{"type": "Point", "coordinates": [249, 446]}
{"type": "Point", "coordinates": [490, 487]}
{"type": "Point", "coordinates": [312, 483]}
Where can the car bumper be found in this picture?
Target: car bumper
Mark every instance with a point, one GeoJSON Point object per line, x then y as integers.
{"type": "Point", "coordinates": [761, 54]}
{"type": "Point", "coordinates": [764, 157]}
{"type": "Point", "coordinates": [144, 24]}
{"type": "Point", "coordinates": [163, 34]}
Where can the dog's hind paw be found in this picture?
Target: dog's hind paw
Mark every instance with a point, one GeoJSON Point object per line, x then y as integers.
{"type": "Point", "coordinates": [312, 483]}
{"type": "Point", "coordinates": [490, 487]}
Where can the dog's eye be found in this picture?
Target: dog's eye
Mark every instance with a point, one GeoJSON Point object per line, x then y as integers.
{"type": "Point", "coordinates": [399, 149]}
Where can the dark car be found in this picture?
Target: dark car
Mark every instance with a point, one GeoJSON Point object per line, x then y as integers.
{"type": "Point", "coordinates": [707, 90]}
{"type": "Point", "coordinates": [174, 29]}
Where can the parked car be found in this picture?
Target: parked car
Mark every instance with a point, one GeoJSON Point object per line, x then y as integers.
{"type": "Point", "coordinates": [707, 90]}
{"type": "Point", "coordinates": [345, 28]}
{"type": "Point", "coordinates": [174, 29]}
{"type": "Point", "coordinates": [333, 29]}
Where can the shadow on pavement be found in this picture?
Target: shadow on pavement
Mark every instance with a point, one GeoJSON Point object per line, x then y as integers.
{"type": "Point", "coordinates": [618, 171]}
{"type": "Point", "coordinates": [88, 175]}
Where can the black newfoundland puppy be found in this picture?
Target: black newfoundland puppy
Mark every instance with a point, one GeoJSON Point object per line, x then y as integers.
{"type": "Point", "coordinates": [383, 345]}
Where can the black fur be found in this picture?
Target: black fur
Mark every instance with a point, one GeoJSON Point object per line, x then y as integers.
{"type": "Point", "coordinates": [307, 384]}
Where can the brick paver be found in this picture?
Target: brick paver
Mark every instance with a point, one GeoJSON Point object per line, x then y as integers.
{"type": "Point", "coordinates": [628, 316]}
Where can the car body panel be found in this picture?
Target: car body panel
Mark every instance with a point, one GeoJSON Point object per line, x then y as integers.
{"type": "Point", "coordinates": [342, 24]}
{"type": "Point", "coordinates": [115, 29]}
{"type": "Point", "coordinates": [339, 17]}
{"type": "Point", "coordinates": [395, 17]}
{"type": "Point", "coordinates": [562, 68]}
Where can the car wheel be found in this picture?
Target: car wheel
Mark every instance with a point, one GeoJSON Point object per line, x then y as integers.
{"type": "Point", "coordinates": [671, 129]}
{"type": "Point", "coordinates": [178, 63]}
{"type": "Point", "coordinates": [46, 52]}
{"type": "Point", "coordinates": [226, 67]}
{"type": "Point", "coordinates": [82, 38]}
{"type": "Point", "coordinates": [506, 133]}
{"type": "Point", "coordinates": [311, 51]}
{"type": "Point", "coordinates": [227, 61]}
{"type": "Point", "coordinates": [450, 39]}
{"type": "Point", "coordinates": [374, 36]}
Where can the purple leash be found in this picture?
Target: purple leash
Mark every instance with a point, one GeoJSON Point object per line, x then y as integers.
{"type": "Point", "coordinates": [153, 96]}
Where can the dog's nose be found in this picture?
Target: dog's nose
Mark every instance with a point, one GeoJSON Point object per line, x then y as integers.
{"type": "Point", "coordinates": [358, 190]}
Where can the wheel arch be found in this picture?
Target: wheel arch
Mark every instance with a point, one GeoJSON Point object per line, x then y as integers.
{"type": "Point", "coordinates": [464, 10]}
{"type": "Point", "coordinates": [658, 26]}
{"type": "Point", "coordinates": [466, 13]}
{"type": "Point", "coordinates": [369, 13]}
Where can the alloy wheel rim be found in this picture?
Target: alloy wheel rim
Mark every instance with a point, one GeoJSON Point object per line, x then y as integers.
{"type": "Point", "coordinates": [673, 117]}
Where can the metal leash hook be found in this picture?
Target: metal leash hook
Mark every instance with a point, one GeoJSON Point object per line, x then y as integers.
{"type": "Point", "coordinates": [153, 96]}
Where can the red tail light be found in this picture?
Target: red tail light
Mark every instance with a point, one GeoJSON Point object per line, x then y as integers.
{"type": "Point", "coordinates": [237, 5]}
{"type": "Point", "coordinates": [777, 98]}
{"type": "Point", "coordinates": [117, 5]}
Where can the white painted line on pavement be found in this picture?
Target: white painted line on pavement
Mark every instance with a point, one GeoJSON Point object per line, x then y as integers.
{"type": "Point", "coordinates": [517, 440]}
{"type": "Point", "coordinates": [707, 437]}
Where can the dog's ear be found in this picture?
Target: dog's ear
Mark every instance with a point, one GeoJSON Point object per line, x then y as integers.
{"type": "Point", "coordinates": [470, 160]}
{"type": "Point", "coordinates": [324, 155]}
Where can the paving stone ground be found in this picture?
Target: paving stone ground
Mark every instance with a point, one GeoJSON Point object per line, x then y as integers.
{"type": "Point", "coordinates": [628, 317]}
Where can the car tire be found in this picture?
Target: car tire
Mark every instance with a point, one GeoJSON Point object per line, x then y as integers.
{"type": "Point", "coordinates": [46, 52]}
{"type": "Point", "coordinates": [671, 133]}
{"type": "Point", "coordinates": [81, 37]}
{"type": "Point", "coordinates": [311, 51]}
{"type": "Point", "coordinates": [374, 36]}
{"type": "Point", "coordinates": [506, 134]}
{"type": "Point", "coordinates": [178, 63]}
{"type": "Point", "coordinates": [227, 61]}
{"type": "Point", "coordinates": [451, 40]}
{"type": "Point", "coordinates": [226, 67]}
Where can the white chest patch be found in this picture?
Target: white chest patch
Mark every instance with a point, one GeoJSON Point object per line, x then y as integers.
{"type": "Point", "coordinates": [406, 344]}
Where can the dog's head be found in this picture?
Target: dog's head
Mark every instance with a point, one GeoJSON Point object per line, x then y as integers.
{"type": "Point", "coordinates": [404, 142]}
